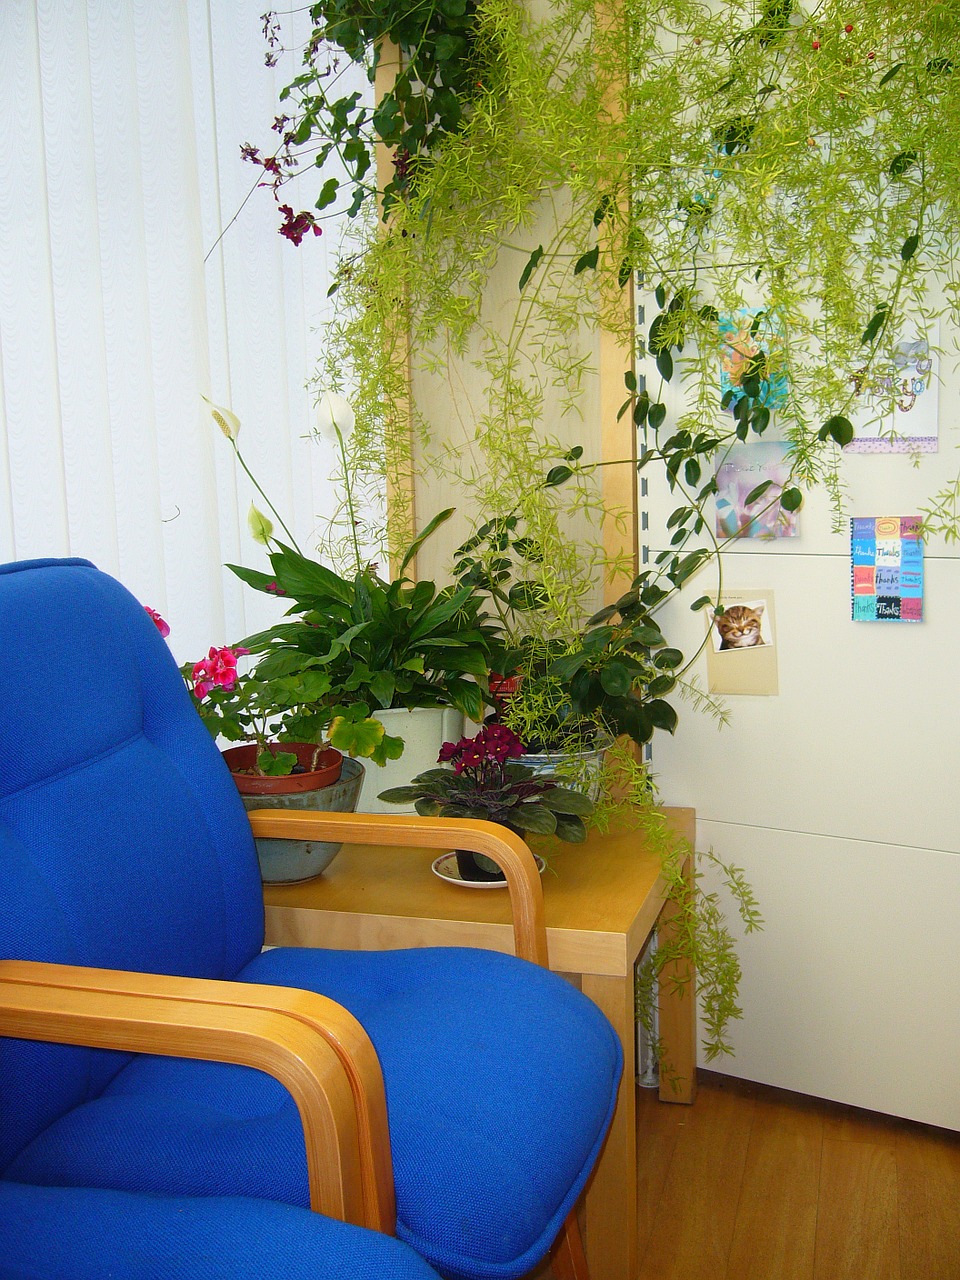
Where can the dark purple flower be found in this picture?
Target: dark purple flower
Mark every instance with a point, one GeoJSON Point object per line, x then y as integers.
{"type": "Point", "coordinates": [296, 225]}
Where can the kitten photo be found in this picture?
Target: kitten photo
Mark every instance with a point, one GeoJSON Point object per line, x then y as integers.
{"type": "Point", "coordinates": [739, 626]}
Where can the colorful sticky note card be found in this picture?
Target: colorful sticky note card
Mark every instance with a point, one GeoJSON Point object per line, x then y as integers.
{"type": "Point", "coordinates": [886, 569]}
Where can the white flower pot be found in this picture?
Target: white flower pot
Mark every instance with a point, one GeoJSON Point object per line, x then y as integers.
{"type": "Point", "coordinates": [423, 730]}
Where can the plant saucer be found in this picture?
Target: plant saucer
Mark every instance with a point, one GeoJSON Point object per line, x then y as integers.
{"type": "Point", "coordinates": [446, 868]}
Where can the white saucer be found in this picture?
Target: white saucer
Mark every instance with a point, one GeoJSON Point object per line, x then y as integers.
{"type": "Point", "coordinates": [446, 868]}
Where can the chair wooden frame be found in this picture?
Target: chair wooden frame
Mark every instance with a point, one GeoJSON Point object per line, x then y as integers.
{"type": "Point", "coordinates": [314, 1047]}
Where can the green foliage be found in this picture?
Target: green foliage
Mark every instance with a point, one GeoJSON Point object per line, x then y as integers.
{"type": "Point", "coordinates": [383, 644]}
{"type": "Point", "coordinates": [286, 697]}
{"type": "Point", "coordinates": [700, 938]}
{"type": "Point", "coordinates": [740, 158]}
{"type": "Point", "coordinates": [431, 97]}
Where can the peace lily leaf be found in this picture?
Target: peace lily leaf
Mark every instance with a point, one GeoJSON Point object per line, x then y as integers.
{"type": "Point", "coordinates": [417, 543]}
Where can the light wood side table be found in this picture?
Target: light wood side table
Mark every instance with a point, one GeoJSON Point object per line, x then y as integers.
{"type": "Point", "coordinates": [603, 899]}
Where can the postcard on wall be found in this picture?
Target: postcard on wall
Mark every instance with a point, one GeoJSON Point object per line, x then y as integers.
{"type": "Point", "coordinates": [741, 655]}
{"type": "Point", "coordinates": [899, 412]}
{"type": "Point", "coordinates": [746, 468]}
{"type": "Point", "coordinates": [751, 340]}
{"type": "Point", "coordinates": [886, 569]}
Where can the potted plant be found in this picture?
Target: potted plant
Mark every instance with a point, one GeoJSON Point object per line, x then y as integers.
{"type": "Point", "coordinates": [407, 655]}
{"type": "Point", "coordinates": [488, 781]}
{"type": "Point", "coordinates": [280, 711]}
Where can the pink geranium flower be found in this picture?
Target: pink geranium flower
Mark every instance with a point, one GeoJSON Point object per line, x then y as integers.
{"type": "Point", "coordinates": [218, 668]}
{"type": "Point", "coordinates": [159, 623]}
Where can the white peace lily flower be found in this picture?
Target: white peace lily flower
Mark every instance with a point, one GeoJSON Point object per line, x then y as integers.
{"type": "Point", "coordinates": [260, 526]}
{"type": "Point", "coordinates": [228, 422]}
{"type": "Point", "coordinates": [334, 413]}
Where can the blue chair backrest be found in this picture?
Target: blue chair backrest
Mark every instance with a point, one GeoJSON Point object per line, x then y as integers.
{"type": "Point", "coordinates": [123, 841]}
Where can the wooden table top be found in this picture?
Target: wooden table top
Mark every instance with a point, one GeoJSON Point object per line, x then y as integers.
{"type": "Point", "coordinates": [601, 898]}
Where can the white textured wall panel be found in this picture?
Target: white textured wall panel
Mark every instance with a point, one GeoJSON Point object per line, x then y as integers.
{"type": "Point", "coordinates": [852, 991]}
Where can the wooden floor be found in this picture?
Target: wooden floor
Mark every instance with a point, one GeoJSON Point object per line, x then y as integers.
{"type": "Point", "coordinates": [754, 1183]}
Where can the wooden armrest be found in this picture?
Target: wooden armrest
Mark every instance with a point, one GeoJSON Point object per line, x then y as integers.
{"type": "Point", "coordinates": [314, 1047]}
{"type": "Point", "coordinates": [507, 850]}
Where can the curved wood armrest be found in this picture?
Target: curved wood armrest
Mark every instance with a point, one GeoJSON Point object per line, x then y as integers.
{"type": "Point", "coordinates": [314, 1047]}
{"type": "Point", "coordinates": [507, 850]}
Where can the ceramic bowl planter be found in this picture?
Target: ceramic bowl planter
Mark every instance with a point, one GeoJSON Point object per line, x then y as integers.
{"type": "Point", "coordinates": [581, 769]}
{"type": "Point", "coordinates": [334, 787]}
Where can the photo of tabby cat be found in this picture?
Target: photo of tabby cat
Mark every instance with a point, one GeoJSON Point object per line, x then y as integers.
{"type": "Point", "coordinates": [739, 626]}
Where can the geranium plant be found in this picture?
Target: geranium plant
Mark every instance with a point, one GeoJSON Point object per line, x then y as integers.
{"type": "Point", "coordinates": [486, 781]}
{"type": "Point", "coordinates": [284, 698]}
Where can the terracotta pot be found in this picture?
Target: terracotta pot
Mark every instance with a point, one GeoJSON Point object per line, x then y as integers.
{"type": "Point", "coordinates": [326, 769]}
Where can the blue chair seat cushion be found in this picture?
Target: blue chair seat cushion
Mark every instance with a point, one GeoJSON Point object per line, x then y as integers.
{"type": "Point", "coordinates": [501, 1079]}
{"type": "Point", "coordinates": [56, 1233]}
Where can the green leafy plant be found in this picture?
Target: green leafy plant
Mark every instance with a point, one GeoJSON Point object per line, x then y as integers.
{"type": "Point", "coordinates": [486, 781]}
{"type": "Point", "coordinates": [285, 698]}
{"type": "Point", "coordinates": [796, 163]}
{"type": "Point", "coordinates": [441, 74]}
{"type": "Point", "coordinates": [386, 644]}
{"type": "Point", "coordinates": [354, 644]}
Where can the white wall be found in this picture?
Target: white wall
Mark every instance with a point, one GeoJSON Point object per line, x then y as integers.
{"type": "Point", "coordinates": [839, 797]}
{"type": "Point", "coordinates": [121, 123]}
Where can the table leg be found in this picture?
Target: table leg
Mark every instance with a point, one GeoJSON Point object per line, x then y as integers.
{"type": "Point", "coordinates": [611, 1199]}
{"type": "Point", "coordinates": [677, 1007]}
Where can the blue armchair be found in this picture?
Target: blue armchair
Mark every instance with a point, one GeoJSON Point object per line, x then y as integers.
{"type": "Point", "coordinates": [149, 1045]}
{"type": "Point", "coordinates": [68, 1233]}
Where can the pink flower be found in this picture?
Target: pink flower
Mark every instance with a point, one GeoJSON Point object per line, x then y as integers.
{"type": "Point", "coordinates": [219, 668]}
{"type": "Point", "coordinates": [158, 621]}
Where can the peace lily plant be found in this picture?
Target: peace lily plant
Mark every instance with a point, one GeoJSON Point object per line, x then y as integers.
{"type": "Point", "coordinates": [352, 644]}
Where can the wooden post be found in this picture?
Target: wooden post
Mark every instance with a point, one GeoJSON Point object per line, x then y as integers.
{"type": "Point", "coordinates": [400, 481]}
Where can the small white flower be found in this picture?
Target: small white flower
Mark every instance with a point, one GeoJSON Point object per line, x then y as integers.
{"type": "Point", "coordinates": [334, 413]}
{"type": "Point", "coordinates": [260, 526]}
{"type": "Point", "coordinates": [228, 422]}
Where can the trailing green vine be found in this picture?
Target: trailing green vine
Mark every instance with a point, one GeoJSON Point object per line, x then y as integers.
{"type": "Point", "coordinates": [781, 182]}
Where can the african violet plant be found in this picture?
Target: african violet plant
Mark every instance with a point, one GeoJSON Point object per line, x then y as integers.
{"type": "Point", "coordinates": [486, 780]}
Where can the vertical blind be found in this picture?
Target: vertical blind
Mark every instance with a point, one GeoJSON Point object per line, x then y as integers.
{"type": "Point", "coordinates": [121, 123]}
